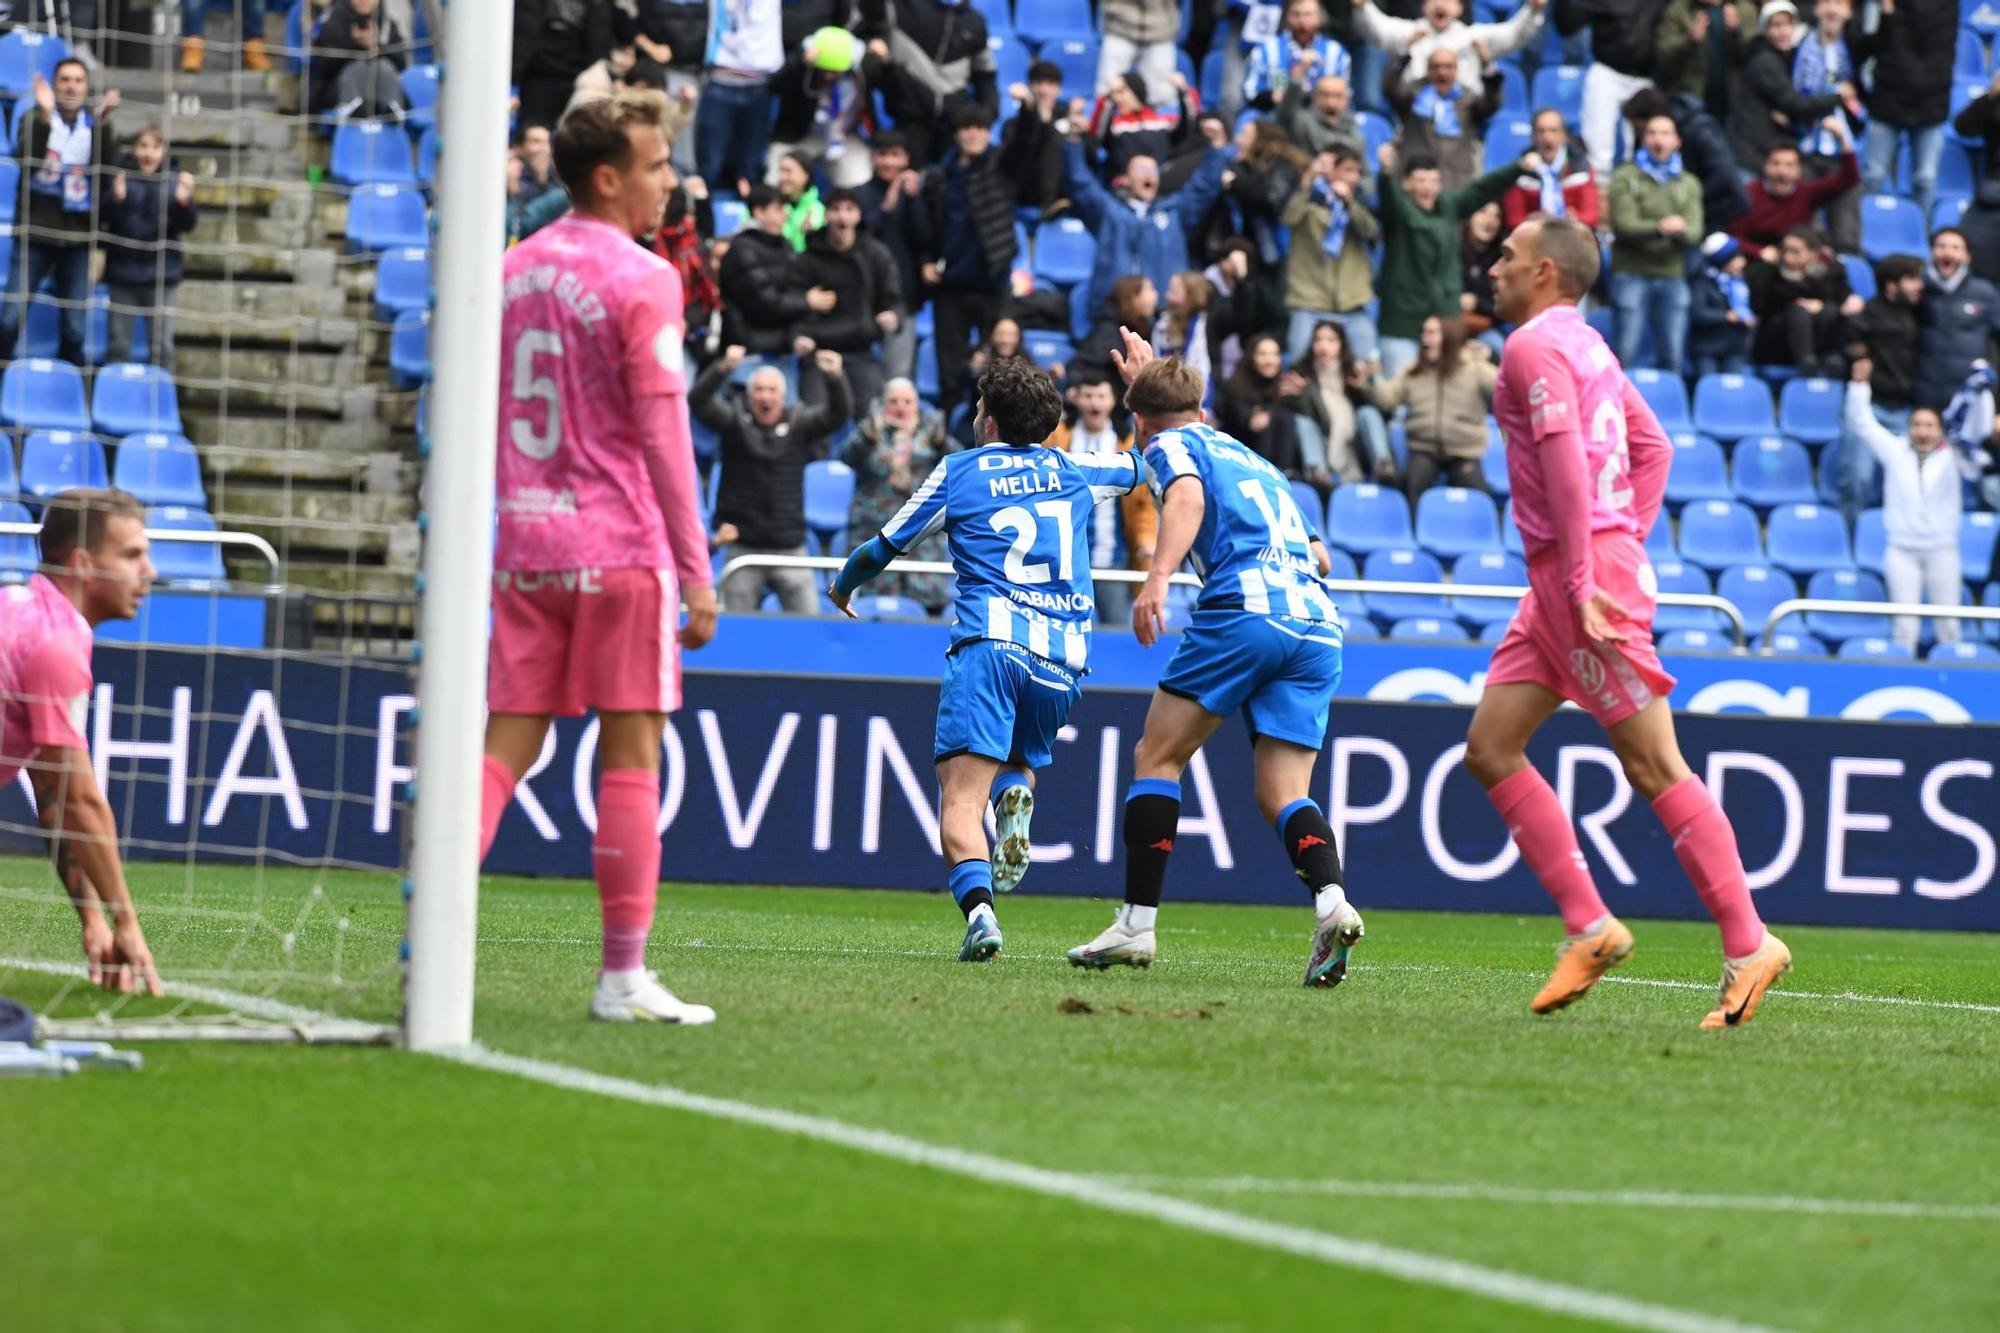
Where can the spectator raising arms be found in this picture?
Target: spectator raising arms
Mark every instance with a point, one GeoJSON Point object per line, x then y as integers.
{"type": "Point", "coordinates": [1443, 27]}
{"type": "Point", "coordinates": [1553, 180]}
{"type": "Point", "coordinates": [897, 445]}
{"type": "Point", "coordinates": [1781, 199]}
{"type": "Point", "coordinates": [64, 150]}
{"type": "Point", "coordinates": [1920, 508]}
{"type": "Point", "coordinates": [1802, 303]}
{"type": "Point", "coordinates": [1122, 536]}
{"type": "Point", "coordinates": [1442, 119]}
{"type": "Point", "coordinates": [1656, 218]}
{"type": "Point", "coordinates": [1029, 141]}
{"type": "Point", "coordinates": [1326, 392]}
{"type": "Point", "coordinates": [1125, 124]}
{"type": "Point", "coordinates": [1420, 257]}
{"type": "Point", "coordinates": [1299, 51]}
{"type": "Point", "coordinates": [1884, 335]}
{"type": "Point", "coordinates": [1449, 392]}
{"type": "Point", "coordinates": [1328, 274]}
{"type": "Point", "coordinates": [151, 208]}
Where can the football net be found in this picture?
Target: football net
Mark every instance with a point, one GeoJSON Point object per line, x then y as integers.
{"type": "Point", "coordinates": [254, 730]}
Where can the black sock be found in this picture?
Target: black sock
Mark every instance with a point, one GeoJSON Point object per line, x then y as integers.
{"type": "Point", "coordinates": [1152, 816]}
{"type": "Point", "coordinates": [1309, 842]}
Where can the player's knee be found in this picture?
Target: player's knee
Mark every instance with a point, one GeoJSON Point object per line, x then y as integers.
{"type": "Point", "coordinates": [1650, 773]}
{"type": "Point", "coordinates": [1490, 760]}
{"type": "Point", "coordinates": [1152, 758]}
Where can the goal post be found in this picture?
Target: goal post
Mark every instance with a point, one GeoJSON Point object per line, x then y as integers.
{"type": "Point", "coordinates": [457, 522]}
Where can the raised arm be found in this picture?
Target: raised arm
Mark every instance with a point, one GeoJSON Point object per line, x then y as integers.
{"type": "Point", "coordinates": [1086, 195]}
{"type": "Point", "coordinates": [1504, 38]}
{"type": "Point", "coordinates": [1860, 418]}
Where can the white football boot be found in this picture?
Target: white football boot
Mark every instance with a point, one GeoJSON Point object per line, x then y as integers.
{"type": "Point", "coordinates": [1121, 944]}
{"type": "Point", "coordinates": [638, 997]}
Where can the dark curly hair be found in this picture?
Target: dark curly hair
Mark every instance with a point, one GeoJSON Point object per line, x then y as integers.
{"type": "Point", "coordinates": [1020, 399]}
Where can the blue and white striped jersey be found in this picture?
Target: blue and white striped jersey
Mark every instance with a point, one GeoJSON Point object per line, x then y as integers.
{"type": "Point", "coordinates": [1254, 549]}
{"type": "Point", "coordinates": [1269, 68]}
{"type": "Point", "coordinates": [1018, 520]}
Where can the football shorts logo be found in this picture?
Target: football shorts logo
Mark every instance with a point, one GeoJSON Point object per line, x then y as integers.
{"type": "Point", "coordinates": [1587, 668]}
{"type": "Point", "coordinates": [668, 349]}
{"type": "Point", "coordinates": [1649, 582]}
{"type": "Point", "coordinates": [79, 712]}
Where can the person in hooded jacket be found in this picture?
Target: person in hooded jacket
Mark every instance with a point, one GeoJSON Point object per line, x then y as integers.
{"type": "Point", "coordinates": [149, 209]}
{"type": "Point", "coordinates": [1911, 96]}
{"type": "Point", "coordinates": [843, 258]}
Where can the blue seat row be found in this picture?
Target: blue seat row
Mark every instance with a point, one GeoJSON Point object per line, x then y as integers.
{"type": "Point", "coordinates": [159, 468]}
{"type": "Point", "coordinates": [130, 398]}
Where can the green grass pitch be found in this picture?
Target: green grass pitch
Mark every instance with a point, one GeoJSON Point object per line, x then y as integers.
{"type": "Point", "coordinates": [1419, 1105]}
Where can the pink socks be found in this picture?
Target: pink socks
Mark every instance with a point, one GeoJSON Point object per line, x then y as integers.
{"type": "Point", "coordinates": [626, 862]}
{"type": "Point", "coordinates": [1542, 831]}
{"type": "Point", "coordinates": [496, 789]}
{"type": "Point", "coordinates": [1706, 846]}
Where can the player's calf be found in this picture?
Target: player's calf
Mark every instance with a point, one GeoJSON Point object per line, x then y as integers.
{"type": "Point", "coordinates": [1152, 819]}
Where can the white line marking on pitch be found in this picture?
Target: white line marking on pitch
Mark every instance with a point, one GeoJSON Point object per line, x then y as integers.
{"type": "Point", "coordinates": [1481, 1193]}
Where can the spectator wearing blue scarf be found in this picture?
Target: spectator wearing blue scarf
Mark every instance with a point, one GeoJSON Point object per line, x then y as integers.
{"type": "Point", "coordinates": [1333, 281]}
{"type": "Point", "coordinates": [1826, 62]}
{"type": "Point", "coordinates": [1656, 218]}
{"type": "Point", "coordinates": [1444, 120]}
{"type": "Point", "coordinates": [1720, 321]}
{"type": "Point", "coordinates": [65, 153]}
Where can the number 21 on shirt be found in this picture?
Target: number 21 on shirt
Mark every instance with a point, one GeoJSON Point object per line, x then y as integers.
{"type": "Point", "coordinates": [1614, 479]}
{"type": "Point", "coordinates": [1017, 520]}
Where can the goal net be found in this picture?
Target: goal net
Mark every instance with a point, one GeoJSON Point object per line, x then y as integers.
{"type": "Point", "coordinates": [249, 355]}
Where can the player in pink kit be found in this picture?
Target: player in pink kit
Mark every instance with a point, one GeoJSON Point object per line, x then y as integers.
{"type": "Point", "coordinates": [601, 537]}
{"type": "Point", "coordinates": [94, 568]}
{"type": "Point", "coordinates": [1588, 462]}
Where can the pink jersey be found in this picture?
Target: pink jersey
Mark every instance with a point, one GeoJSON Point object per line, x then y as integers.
{"type": "Point", "coordinates": [1585, 453]}
{"type": "Point", "coordinates": [590, 353]}
{"type": "Point", "coordinates": [44, 673]}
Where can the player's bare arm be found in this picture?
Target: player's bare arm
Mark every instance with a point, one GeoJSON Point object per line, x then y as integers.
{"type": "Point", "coordinates": [1180, 521]}
{"type": "Point", "coordinates": [83, 844]}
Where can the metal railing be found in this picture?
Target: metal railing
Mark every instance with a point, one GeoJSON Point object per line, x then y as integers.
{"type": "Point", "coordinates": [247, 540]}
{"type": "Point", "coordinates": [1799, 605]}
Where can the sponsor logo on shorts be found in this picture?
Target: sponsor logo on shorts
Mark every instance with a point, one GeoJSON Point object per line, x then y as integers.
{"type": "Point", "coordinates": [534, 580]}
{"type": "Point", "coordinates": [79, 712]}
{"type": "Point", "coordinates": [1649, 582]}
{"type": "Point", "coordinates": [1587, 668]}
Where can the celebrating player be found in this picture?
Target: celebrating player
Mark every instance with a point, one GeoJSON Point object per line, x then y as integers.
{"type": "Point", "coordinates": [1265, 639]}
{"type": "Point", "coordinates": [1018, 517]}
{"type": "Point", "coordinates": [600, 534]}
{"type": "Point", "coordinates": [1588, 464]}
{"type": "Point", "coordinates": [95, 568]}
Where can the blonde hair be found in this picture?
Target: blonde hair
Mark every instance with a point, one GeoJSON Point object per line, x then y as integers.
{"type": "Point", "coordinates": [593, 133]}
{"type": "Point", "coordinates": [1165, 388]}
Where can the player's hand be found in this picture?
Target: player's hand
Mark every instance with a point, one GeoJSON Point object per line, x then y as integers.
{"type": "Point", "coordinates": [1149, 611]}
{"type": "Point", "coordinates": [732, 357]}
{"type": "Point", "coordinates": [1325, 560]}
{"type": "Point", "coordinates": [827, 360]}
{"type": "Point", "coordinates": [1598, 614]}
{"type": "Point", "coordinates": [700, 626]}
{"type": "Point", "coordinates": [840, 600]}
{"type": "Point", "coordinates": [129, 965]}
{"type": "Point", "coordinates": [1137, 353]}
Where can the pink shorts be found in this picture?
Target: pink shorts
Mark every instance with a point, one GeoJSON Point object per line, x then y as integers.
{"type": "Point", "coordinates": [1546, 645]}
{"type": "Point", "coordinates": [568, 640]}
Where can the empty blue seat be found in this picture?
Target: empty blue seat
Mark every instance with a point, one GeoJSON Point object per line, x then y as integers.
{"type": "Point", "coordinates": [1076, 57]}
{"type": "Point", "coordinates": [1404, 567]}
{"type": "Point", "coordinates": [1045, 22]}
{"type": "Point", "coordinates": [1770, 470]}
{"type": "Point", "coordinates": [402, 282]}
{"type": "Point", "coordinates": [1493, 465]}
{"type": "Point", "coordinates": [19, 554]}
{"type": "Point", "coordinates": [1956, 178]}
{"type": "Point", "coordinates": [1965, 650]}
{"type": "Point", "coordinates": [1455, 521]}
{"type": "Point", "coordinates": [1969, 57]}
{"type": "Point", "coordinates": [1860, 276]}
{"type": "Point", "coordinates": [1377, 130]}
{"type": "Point", "coordinates": [1716, 534]}
{"type": "Point", "coordinates": [1794, 645]}
{"type": "Point", "coordinates": [386, 217]}
{"type": "Point", "coordinates": [1677, 576]}
{"type": "Point", "coordinates": [1729, 407]}
{"type": "Point", "coordinates": [1976, 535]}
{"type": "Point", "coordinates": [1809, 410]}
{"type": "Point", "coordinates": [10, 475]}
{"type": "Point", "coordinates": [1659, 539]}
{"type": "Point", "coordinates": [1666, 394]}
{"type": "Point", "coordinates": [1506, 140]}
{"type": "Point", "coordinates": [371, 152]}
{"type": "Point", "coordinates": [1876, 649]}
{"type": "Point", "coordinates": [1209, 85]}
{"type": "Point", "coordinates": [160, 469]}
{"type": "Point", "coordinates": [1806, 538]}
{"type": "Point", "coordinates": [1695, 641]}
{"type": "Point", "coordinates": [1871, 542]}
{"type": "Point", "coordinates": [1510, 532]}
{"type": "Point", "coordinates": [185, 562]}
{"type": "Point", "coordinates": [1011, 59]}
{"type": "Point", "coordinates": [39, 394]}
{"type": "Point", "coordinates": [410, 349]}
{"type": "Point", "coordinates": [1699, 470]}
{"type": "Point", "coordinates": [829, 498]}
{"type": "Point", "coordinates": [56, 460]}
{"type": "Point", "coordinates": [10, 190]}
{"type": "Point", "coordinates": [1308, 501]}
{"type": "Point", "coordinates": [1892, 226]}
{"type": "Point", "coordinates": [135, 399]}
{"type": "Point", "coordinates": [927, 370]}
{"type": "Point", "coordinates": [1065, 252]}
{"type": "Point", "coordinates": [1843, 585]}
{"type": "Point", "coordinates": [24, 53]}
{"type": "Point", "coordinates": [1495, 569]}
{"type": "Point", "coordinates": [428, 145]}
{"type": "Point", "coordinates": [1047, 348]}
{"type": "Point", "coordinates": [999, 16]}
{"type": "Point", "coordinates": [420, 92]}
{"type": "Point", "coordinates": [1755, 589]}
{"type": "Point", "coordinates": [1340, 565]}
{"type": "Point", "coordinates": [1427, 629]}
{"type": "Point", "coordinates": [1495, 632]}
{"type": "Point", "coordinates": [1365, 517]}
{"type": "Point", "coordinates": [730, 215]}
{"type": "Point", "coordinates": [1561, 87]}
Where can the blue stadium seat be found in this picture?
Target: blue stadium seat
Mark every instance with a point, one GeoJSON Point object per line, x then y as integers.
{"type": "Point", "coordinates": [1969, 60]}
{"type": "Point", "coordinates": [1495, 632]}
{"type": "Point", "coordinates": [1871, 541]}
{"type": "Point", "coordinates": [1695, 641]}
{"type": "Point", "coordinates": [1560, 86]}
{"type": "Point", "coordinates": [1044, 22]}
{"type": "Point", "coordinates": [1963, 93]}
{"type": "Point", "coordinates": [1806, 538]}
{"type": "Point", "coordinates": [1076, 57]}
{"type": "Point", "coordinates": [1506, 140]}
{"type": "Point", "coordinates": [1769, 470]}
{"type": "Point", "coordinates": [1875, 649]}
{"type": "Point", "coordinates": [1680, 577]}
{"type": "Point", "coordinates": [402, 282]}
{"type": "Point", "coordinates": [888, 606]}
{"type": "Point", "coordinates": [39, 394]}
{"type": "Point", "coordinates": [1976, 534]}
{"type": "Point", "coordinates": [185, 562]}
{"type": "Point", "coordinates": [10, 474]}
{"type": "Point", "coordinates": [25, 53]}
{"type": "Point", "coordinates": [1340, 565]}
{"type": "Point", "coordinates": [1809, 410]}
{"type": "Point", "coordinates": [1515, 104]}
{"type": "Point", "coordinates": [829, 499]}
{"type": "Point", "coordinates": [1659, 539]}
{"type": "Point", "coordinates": [1842, 585]}
{"type": "Point", "coordinates": [1376, 130]}
{"type": "Point", "coordinates": [1699, 470]}
{"type": "Point", "coordinates": [371, 152]}
{"type": "Point", "coordinates": [410, 349]}
{"type": "Point", "coordinates": [1948, 210]}
{"type": "Point", "coordinates": [134, 399]}
{"type": "Point", "coordinates": [1988, 629]}
{"type": "Point", "coordinates": [1493, 469]}
{"type": "Point", "coordinates": [1795, 645]}
{"type": "Point", "coordinates": [1716, 534]}
{"type": "Point", "coordinates": [55, 460]}
{"type": "Point", "coordinates": [1047, 348]}
{"type": "Point", "coordinates": [1860, 276]}
{"type": "Point", "coordinates": [1403, 567]}
{"type": "Point", "coordinates": [1510, 532]}
{"type": "Point", "coordinates": [386, 217]}
{"type": "Point", "coordinates": [420, 91]}
{"type": "Point", "coordinates": [1209, 85]}
{"type": "Point", "coordinates": [1365, 517]}
{"type": "Point", "coordinates": [160, 469]}
{"type": "Point", "coordinates": [1892, 226]}
{"type": "Point", "coordinates": [1309, 503]}
{"type": "Point", "coordinates": [1666, 394]}
{"type": "Point", "coordinates": [1755, 589]}
{"type": "Point", "coordinates": [1965, 650]}
{"type": "Point", "coordinates": [1729, 407]}
{"type": "Point", "coordinates": [1065, 252]}
{"type": "Point", "coordinates": [927, 370]}
{"type": "Point", "coordinates": [999, 16]}
{"type": "Point", "coordinates": [19, 557]}
{"type": "Point", "coordinates": [1454, 521]}
{"type": "Point", "coordinates": [1011, 58]}
{"type": "Point", "coordinates": [1427, 629]}
{"type": "Point", "coordinates": [730, 215]}
{"type": "Point", "coordinates": [10, 190]}
{"type": "Point", "coordinates": [1956, 178]}
{"type": "Point", "coordinates": [1495, 569]}
{"type": "Point", "coordinates": [428, 144]}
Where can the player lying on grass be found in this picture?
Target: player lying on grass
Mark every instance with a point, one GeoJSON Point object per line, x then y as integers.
{"type": "Point", "coordinates": [1266, 641]}
{"type": "Point", "coordinates": [600, 534]}
{"type": "Point", "coordinates": [94, 567]}
{"type": "Point", "coordinates": [1588, 463]}
{"type": "Point", "coordinates": [1017, 516]}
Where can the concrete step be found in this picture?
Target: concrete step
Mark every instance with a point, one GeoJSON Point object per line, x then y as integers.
{"type": "Point", "coordinates": [198, 125]}
{"type": "Point", "coordinates": [244, 398]}
{"type": "Point", "coordinates": [381, 472]}
{"type": "Point", "coordinates": [313, 291]}
{"type": "Point", "coordinates": [261, 330]}
{"type": "Point", "coordinates": [350, 579]}
{"type": "Point", "coordinates": [227, 231]}
{"type": "Point", "coordinates": [256, 197]}
{"type": "Point", "coordinates": [289, 368]}
{"type": "Point", "coordinates": [295, 520]}
{"type": "Point", "coordinates": [251, 431]}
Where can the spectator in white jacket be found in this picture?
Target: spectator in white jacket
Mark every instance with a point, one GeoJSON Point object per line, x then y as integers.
{"type": "Point", "coordinates": [1920, 507]}
{"type": "Point", "coordinates": [1443, 24]}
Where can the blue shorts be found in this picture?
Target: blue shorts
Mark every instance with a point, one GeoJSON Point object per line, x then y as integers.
{"type": "Point", "coordinates": [1001, 701]}
{"type": "Point", "coordinates": [1281, 672]}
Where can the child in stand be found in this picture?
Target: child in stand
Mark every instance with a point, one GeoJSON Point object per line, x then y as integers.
{"type": "Point", "coordinates": [1720, 321]}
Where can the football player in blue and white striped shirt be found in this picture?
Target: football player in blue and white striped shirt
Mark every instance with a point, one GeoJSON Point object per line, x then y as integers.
{"type": "Point", "coordinates": [1265, 640]}
{"type": "Point", "coordinates": [1017, 517]}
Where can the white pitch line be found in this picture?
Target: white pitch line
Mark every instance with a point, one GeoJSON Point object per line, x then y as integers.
{"type": "Point", "coordinates": [1481, 1193]}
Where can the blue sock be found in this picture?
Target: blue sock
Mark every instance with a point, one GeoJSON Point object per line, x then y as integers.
{"type": "Point", "coordinates": [971, 885]}
{"type": "Point", "coordinates": [1008, 778]}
